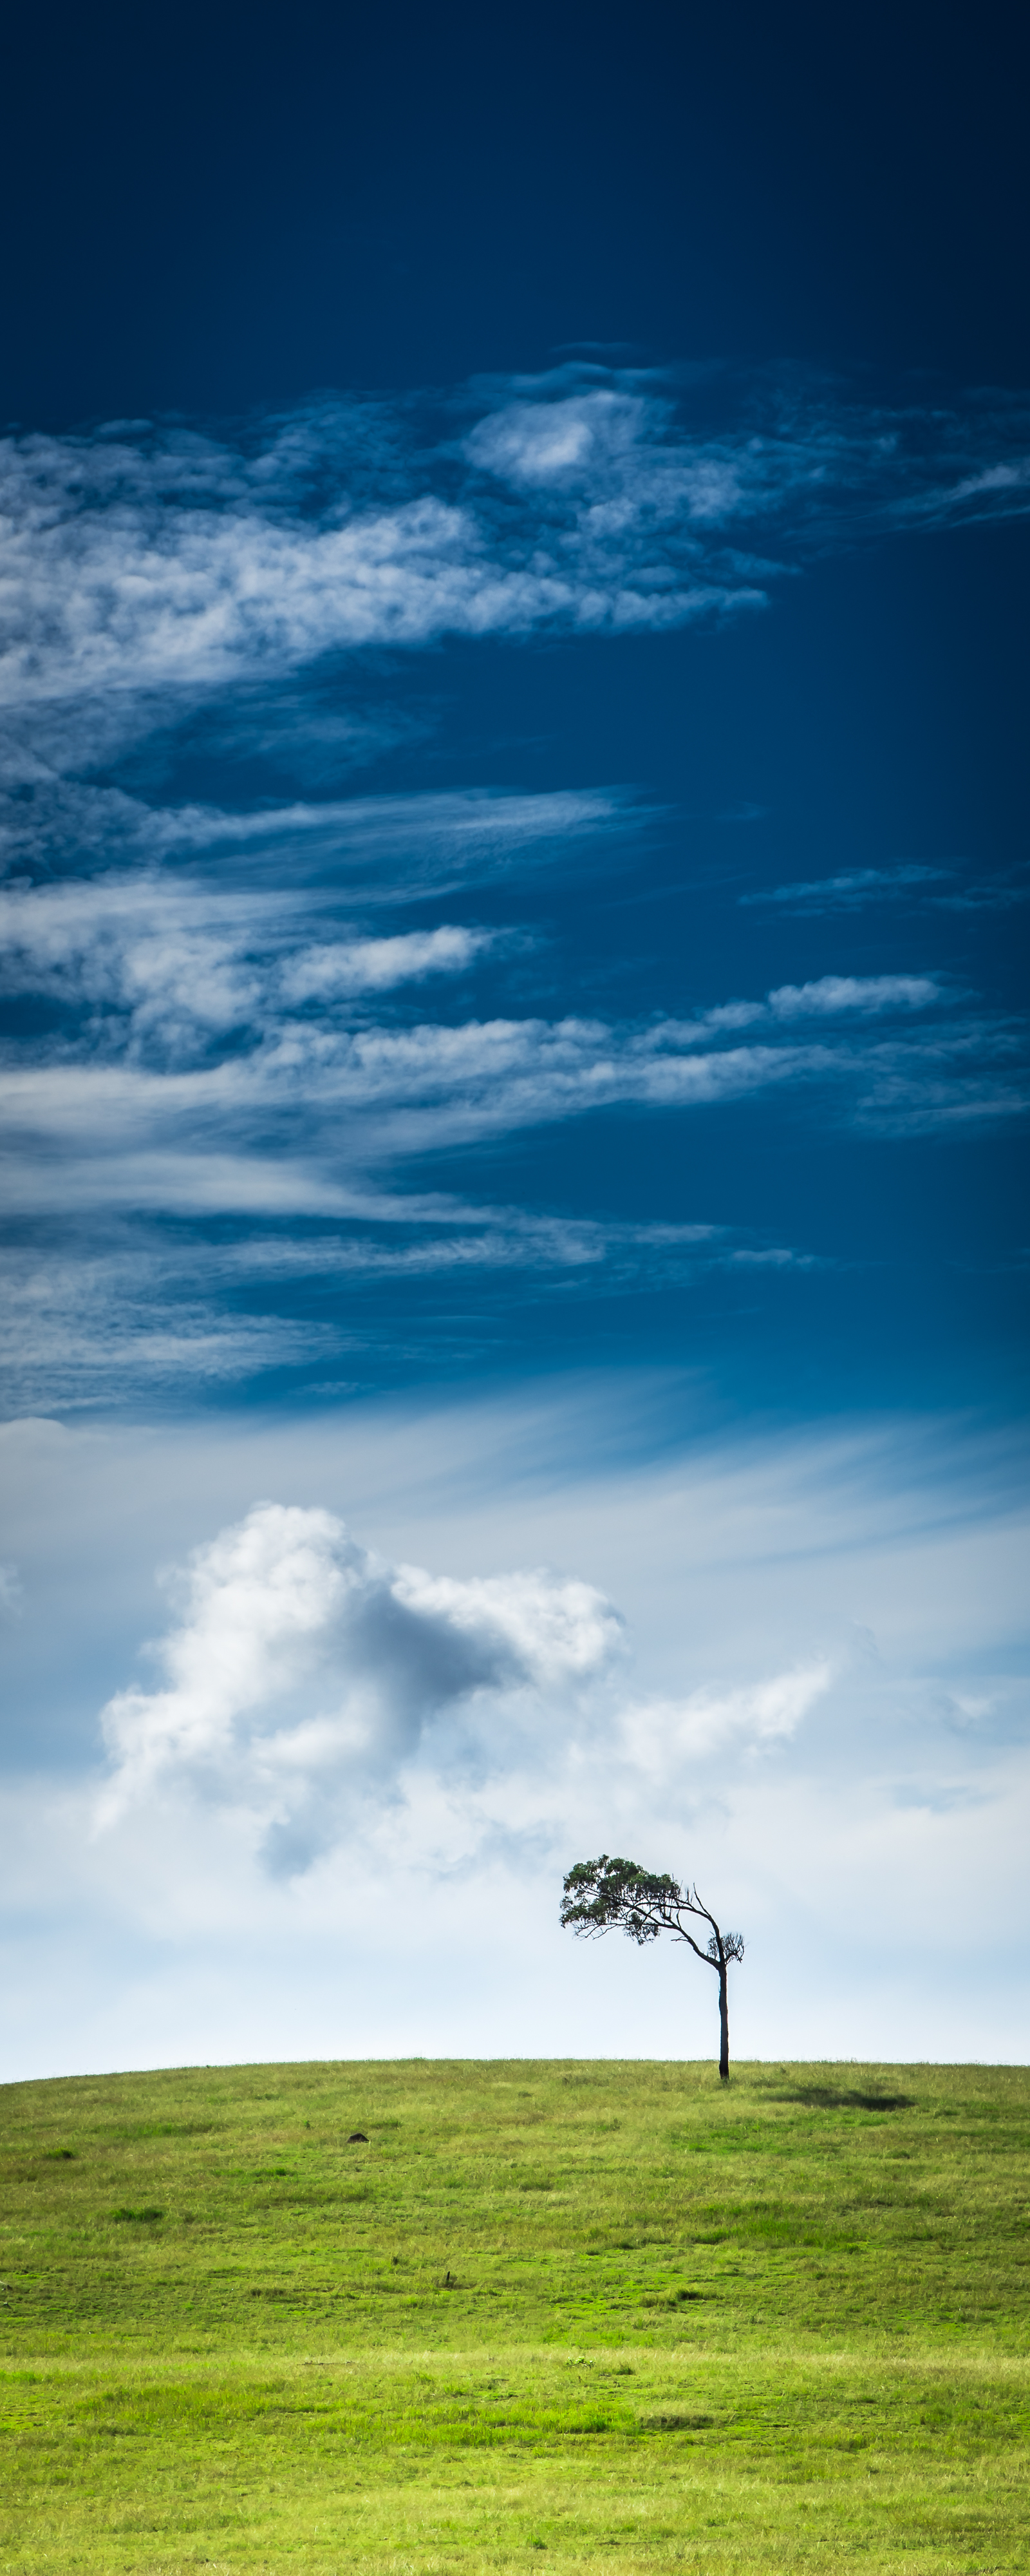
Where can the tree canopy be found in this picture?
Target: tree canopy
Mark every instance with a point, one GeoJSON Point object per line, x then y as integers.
{"type": "Point", "coordinates": [604, 1895]}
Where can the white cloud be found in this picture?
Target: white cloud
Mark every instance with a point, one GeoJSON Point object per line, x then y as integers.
{"type": "Point", "coordinates": [935, 889]}
{"type": "Point", "coordinates": [251, 1055]}
{"type": "Point", "coordinates": [828, 997]}
{"type": "Point", "coordinates": [832, 994]}
{"type": "Point", "coordinates": [176, 561]}
{"type": "Point", "coordinates": [178, 962]}
{"type": "Point", "coordinates": [174, 964]}
{"type": "Point", "coordinates": [534, 443]}
{"type": "Point", "coordinates": [384, 849]}
{"type": "Point", "coordinates": [378, 965]}
{"type": "Point", "coordinates": [661, 1735]}
{"type": "Point", "coordinates": [120, 573]}
{"type": "Point", "coordinates": [78, 1329]}
{"type": "Point", "coordinates": [86, 1328]}
{"type": "Point", "coordinates": [145, 1081]}
{"type": "Point", "coordinates": [241, 1042]}
{"type": "Point", "coordinates": [304, 1666]}
{"type": "Point", "coordinates": [852, 891]}
{"type": "Point", "coordinates": [89, 1136]}
{"type": "Point", "coordinates": [321, 1696]}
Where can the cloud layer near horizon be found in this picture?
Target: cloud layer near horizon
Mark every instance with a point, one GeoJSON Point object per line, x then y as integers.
{"type": "Point", "coordinates": [789, 1665]}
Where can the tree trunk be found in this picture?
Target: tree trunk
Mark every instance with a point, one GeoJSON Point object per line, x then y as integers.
{"type": "Point", "coordinates": [724, 2026]}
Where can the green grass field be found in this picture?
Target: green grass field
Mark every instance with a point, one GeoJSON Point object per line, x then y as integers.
{"type": "Point", "coordinates": [607, 2315]}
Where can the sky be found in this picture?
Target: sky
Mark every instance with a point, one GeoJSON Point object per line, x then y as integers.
{"type": "Point", "coordinates": [514, 894]}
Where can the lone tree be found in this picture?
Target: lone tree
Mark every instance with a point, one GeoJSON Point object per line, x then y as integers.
{"type": "Point", "coordinates": [600, 1894]}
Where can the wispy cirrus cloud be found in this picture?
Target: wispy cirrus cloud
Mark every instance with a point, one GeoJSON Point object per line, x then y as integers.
{"type": "Point", "coordinates": [851, 892]}
{"type": "Point", "coordinates": [163, 1118]}
{"type": "Point", "coordinates": [208, 1044]}
{"type": "Point", "coordinates": [155, 1315]}
{"type": "Point", "coordinates": [345, 968]}
{"type": "Point", "coordinates": [248, 1019]}
{"type": "Point", "coordinates": [297, 1163]}
{"type": "Point", "coordinates": [166, 559]}
{"type": "Point", "coordinates": [257, 1070]}
{"type": "Point", "coordinates": [160, 968]}
{"type": "Point", "coordinates": [824, 997]}
{"type": "Point", "coordinates": [169, 962]}
{"type": "Point", "coordinates": [387, 849]}
{"type": "Point", "coordinates": [940, 889]}
{"type": "Point", "coordinates": [83, 1328]}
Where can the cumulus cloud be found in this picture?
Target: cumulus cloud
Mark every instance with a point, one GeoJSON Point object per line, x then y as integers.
{"type": "Point", "coordinates": [311, 1687]}
{"type": "Point", "coordinates": [337, 1707]}
{"type": "Point", "coordinates": [304, 1668]}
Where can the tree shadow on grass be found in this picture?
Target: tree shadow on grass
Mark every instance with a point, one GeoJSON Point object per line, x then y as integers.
{"type": "Point", "coordinates": [832, 2097]}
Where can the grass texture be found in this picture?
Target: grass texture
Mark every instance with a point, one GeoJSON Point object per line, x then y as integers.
{"type": "Point", "coordinates": [594, 2315]}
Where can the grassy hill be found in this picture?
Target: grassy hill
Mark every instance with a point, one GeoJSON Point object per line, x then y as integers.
{"type": "Point", "coordinates": [607, 2315]}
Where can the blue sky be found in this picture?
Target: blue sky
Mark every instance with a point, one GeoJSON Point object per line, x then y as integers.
{"type": "Point", "coordinates": [512, 817]}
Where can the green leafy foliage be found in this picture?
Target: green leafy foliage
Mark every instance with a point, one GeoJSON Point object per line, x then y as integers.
{"type": "Point", "coordinates": [598, 1894]}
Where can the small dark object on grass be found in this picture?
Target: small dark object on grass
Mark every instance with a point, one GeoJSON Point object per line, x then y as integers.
{"type": "Point", "coordinates": [450, 2282]}
{"type": "Point", "coordinates": [357, 2138]}
{"type": "Point", "coordinates": [59, 2155]}
{"type": "Point", "coordinates": [598, 1894]}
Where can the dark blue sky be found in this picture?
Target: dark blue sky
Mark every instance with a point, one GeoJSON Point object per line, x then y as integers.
{"type": "Point", "coordinates": [241, 207]}
{"type": "Point", "coordinates": [339, 244]}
